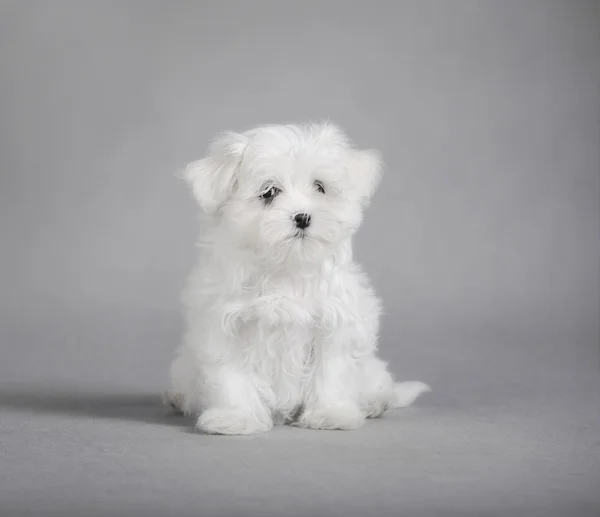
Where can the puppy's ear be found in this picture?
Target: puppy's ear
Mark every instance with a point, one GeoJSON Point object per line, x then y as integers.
{"type": "Point", "coordinates": [213, 179]}
{"type": "Point", "coordinates": [366, 171]}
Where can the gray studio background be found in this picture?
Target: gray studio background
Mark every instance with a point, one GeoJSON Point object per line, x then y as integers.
{"type": "Point", "coordinates": [483, 242]}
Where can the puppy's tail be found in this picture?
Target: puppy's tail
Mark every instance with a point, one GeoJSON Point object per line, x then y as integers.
{"type": "Point", "coordinates": [405, 393]}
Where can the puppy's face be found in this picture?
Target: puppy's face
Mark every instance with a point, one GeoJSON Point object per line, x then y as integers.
{"type": "Point", "coordinates": [288, 193]}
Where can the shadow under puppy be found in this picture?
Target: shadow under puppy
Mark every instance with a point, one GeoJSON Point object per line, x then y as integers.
{"type": "Point", "coordinates": [282, 324]}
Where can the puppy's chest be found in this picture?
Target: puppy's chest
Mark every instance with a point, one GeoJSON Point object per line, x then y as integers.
{"type": "Point", "coordinates": [292, 301]}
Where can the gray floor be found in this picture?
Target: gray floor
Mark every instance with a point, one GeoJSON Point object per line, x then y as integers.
{"type": "Point", "coordinates": [515, 435]}
{"type": "Point", "coordinates": [483, 243]}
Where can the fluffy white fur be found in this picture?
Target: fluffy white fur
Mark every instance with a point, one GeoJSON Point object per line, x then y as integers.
{"type": "Point", "coordinates": [281, 322]}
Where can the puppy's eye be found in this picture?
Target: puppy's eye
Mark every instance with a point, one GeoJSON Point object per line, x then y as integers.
{"type": "Point", "coordinates": [270, 194]}
{"type": "Point", "coordinates": [319, 186]}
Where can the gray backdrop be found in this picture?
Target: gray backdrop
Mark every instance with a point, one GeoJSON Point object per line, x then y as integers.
{"type": "Point", "coordinates": [483, 242]}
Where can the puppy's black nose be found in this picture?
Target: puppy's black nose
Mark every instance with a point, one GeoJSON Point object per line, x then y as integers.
{"type": "Point", "coordinates": [302, 220]}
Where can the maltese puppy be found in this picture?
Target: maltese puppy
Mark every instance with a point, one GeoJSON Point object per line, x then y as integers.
{"type": "Point", "coordinates": [282, 324]}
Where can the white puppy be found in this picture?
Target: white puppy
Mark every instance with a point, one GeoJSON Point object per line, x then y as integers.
{"type": "Point", "coordinates": [281, 322]}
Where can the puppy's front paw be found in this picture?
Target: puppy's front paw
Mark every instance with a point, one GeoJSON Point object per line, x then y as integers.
{"type": "Point", "coordinates": [230, 421]}
{"type": "Point", "coordinates": [344, 418]}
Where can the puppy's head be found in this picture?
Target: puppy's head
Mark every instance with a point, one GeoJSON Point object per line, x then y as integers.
{"type": "Point", "coordinates": [286, 192]}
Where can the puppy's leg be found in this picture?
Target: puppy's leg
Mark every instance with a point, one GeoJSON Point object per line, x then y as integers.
{"type": "Point", "coordinates": [331, 402]}
{"type": "Point", "coordinates": [232, 401]}
{"type": "Point", "coordinates": [376, 386]}
{"type": "Point", "coordinates": [336, 398]}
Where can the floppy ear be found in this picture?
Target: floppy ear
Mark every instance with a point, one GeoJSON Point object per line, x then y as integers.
{"type": "Point", "coordinates": [365, 173]}
{"type": "Point", "coordinates": [213, 179]}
